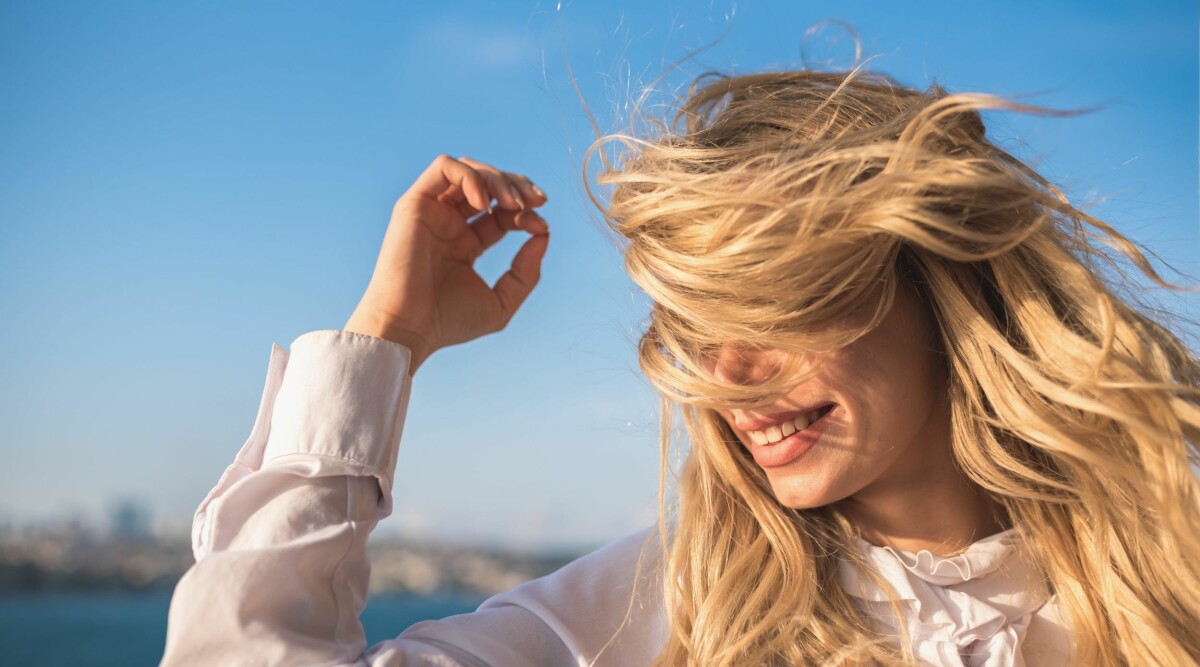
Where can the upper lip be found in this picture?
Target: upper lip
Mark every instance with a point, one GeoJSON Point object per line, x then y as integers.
{"type": "Point", "coordinates": [765, 422]}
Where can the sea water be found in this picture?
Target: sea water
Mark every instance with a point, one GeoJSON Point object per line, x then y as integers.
{"type": "Point", "coordinates": [130, 629]}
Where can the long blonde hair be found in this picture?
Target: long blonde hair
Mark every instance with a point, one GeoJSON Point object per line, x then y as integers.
{"type": "Point", "coordinates": [778, 208]}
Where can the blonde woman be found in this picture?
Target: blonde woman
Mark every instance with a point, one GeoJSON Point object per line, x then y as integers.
{"type": "Point", "coordinates": [923, 427]}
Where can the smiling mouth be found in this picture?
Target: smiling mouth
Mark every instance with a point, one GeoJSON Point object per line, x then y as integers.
{"type": "Point", "coordinates": [778, 432]}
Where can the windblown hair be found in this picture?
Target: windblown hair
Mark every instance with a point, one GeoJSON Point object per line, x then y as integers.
{"type": "Point", "coordinates": [784, 209]}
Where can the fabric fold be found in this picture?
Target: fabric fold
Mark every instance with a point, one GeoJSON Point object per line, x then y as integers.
{"type": "Point", "coordinates": [980, 558]}
{"type": "Point", "coordinates": [972, 609]}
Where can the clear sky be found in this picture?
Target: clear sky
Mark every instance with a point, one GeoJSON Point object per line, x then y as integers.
{"type": "Point", "coordinates": [182, 184]}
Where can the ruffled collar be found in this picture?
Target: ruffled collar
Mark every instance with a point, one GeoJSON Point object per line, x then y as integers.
{"type": "Point", "coordinates": [972, 609]}
{"type": "Point", "coordinates": [981, 557]}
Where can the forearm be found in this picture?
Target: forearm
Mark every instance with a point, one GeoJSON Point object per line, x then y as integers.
{"type": "Point", "coordinates": [281, 573]}
{"type": "Point", "coordinates": [280, 543]}
{"type": "Point", "coordinates": [288, 583]}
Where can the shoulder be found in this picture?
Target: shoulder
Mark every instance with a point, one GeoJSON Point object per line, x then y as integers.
{"type": "Point", "coordinates": [606, 604]}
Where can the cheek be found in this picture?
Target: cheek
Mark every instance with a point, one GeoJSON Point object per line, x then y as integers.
{"type": "Point", "coordinates": [897, 427]}
{"type": "Point", "coordinates": [873, 431]}
{"type": "Point", "coordinates": [886, 425]}
{"type": "Point", "coordinates": [893, 385]}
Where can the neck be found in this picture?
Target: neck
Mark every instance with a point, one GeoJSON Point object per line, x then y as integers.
{"type": "Point", "coordinates": [944, 518]}
{"type": "Point", "coordinates": [929, 505]}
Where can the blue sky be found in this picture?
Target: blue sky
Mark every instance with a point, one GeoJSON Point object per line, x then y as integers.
{"type": "Point", "coordinates": [183, 184]}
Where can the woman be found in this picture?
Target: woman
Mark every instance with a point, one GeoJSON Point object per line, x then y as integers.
{"type": "Point", "coordinates": [923, 428]}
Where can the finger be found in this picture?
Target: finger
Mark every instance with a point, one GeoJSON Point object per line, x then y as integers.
{"type": "Point", "coordinates": [489, 228]}
{"type": "Point", "coordinates": [515, 285]}
{"type": "Point", "coordinates": [466, 209]}
{"type": "Point", "coordinates": [530, 221]}
{"type": "Point", "coordinates": [445, 176]}
{"type": "Point", "coordinates": [501, 188]}
{"type": "Point", "coordinates": [531, 194]}
{"type": "Point", "coordinates": [454, 198]}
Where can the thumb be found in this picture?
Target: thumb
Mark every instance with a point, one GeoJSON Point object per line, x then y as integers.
{"type": "Point", "coordinates": [515, 285]}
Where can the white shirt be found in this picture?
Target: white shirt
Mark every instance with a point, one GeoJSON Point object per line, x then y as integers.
{"type": "Point", "coordinates": [281, 571]}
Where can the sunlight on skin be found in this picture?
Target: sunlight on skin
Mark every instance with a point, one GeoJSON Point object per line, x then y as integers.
{"type": "Point", "coordinates": [884, 454]}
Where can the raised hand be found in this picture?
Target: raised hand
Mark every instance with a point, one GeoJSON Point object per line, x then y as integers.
{"type": "Point", "coordinates": [424, 292]}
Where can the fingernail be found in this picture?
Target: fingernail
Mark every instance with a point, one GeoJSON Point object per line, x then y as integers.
{"type": "Point", "coordinates": [516, 195]}
{"type": "Point", "coordinates": [538, 190]}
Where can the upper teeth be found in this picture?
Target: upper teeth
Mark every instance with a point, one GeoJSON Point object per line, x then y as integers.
{"type": "Point", "coordinates": [778, 432]}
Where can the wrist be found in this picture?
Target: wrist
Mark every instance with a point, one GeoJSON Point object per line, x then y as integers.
{"type": "Point", "coordinates": [417, 344]}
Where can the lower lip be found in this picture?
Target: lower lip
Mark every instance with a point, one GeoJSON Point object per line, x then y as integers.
{"type": "Point", "coordinates": [792, 447]}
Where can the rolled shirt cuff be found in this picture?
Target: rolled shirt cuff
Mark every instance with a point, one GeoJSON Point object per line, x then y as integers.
{"type": "Point", "coordinates": [343, 398]}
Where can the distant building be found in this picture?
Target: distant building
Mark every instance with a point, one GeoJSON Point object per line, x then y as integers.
{"type": "Point", "coordinates": [130, 520]}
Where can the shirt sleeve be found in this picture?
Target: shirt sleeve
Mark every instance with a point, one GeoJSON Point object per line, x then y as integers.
{"type": "Point", "coordinates": [281, 573]}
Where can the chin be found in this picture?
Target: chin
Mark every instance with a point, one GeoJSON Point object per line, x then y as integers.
{"type": "Point", "coordinates": [800, 498]}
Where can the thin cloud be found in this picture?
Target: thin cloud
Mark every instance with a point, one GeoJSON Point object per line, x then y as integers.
{"type": "Point", "coordinates": [462, 43]}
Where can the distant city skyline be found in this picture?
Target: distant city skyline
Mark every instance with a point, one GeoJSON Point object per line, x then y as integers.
{"type": "Point", "coordinates": [184, 185]}
{"type": "Point", "coordinates": [68, 556]}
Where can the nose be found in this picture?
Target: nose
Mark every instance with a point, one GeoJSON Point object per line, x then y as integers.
{"type": "Point", "coordinates": [737, 363]}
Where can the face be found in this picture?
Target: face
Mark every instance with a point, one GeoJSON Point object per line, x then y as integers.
{"type": "Point", "coordinates": [889, 423]}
